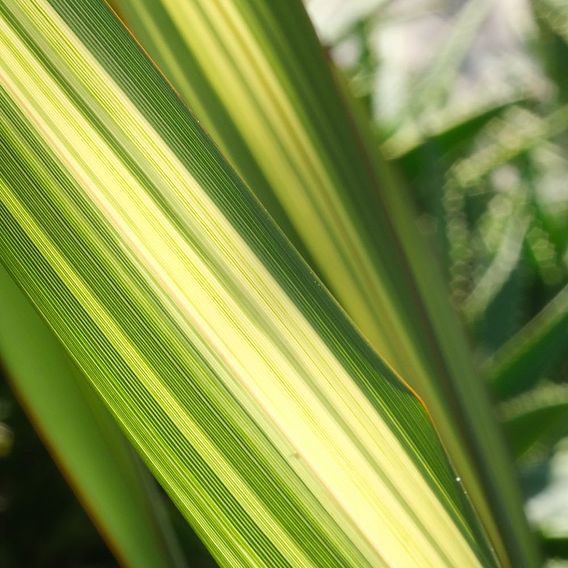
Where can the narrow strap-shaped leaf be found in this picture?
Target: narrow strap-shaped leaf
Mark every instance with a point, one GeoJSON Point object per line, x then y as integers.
{"type": "Point", "coordinates": [519, 364]}
{"type": "Point", "coordinates": [517, 132]}
{"type": "Point", "coordinates": [449, 130]}
{"type": "Point", "coordinates": [276, 430]}
{"type": "Point", "coordinates": [434, 85]}
{"type": "Point", "coordinates": [536, 419]}
{"type": "Point", "coordinates": [82, 436]}
{"type": "Point", "coordinates": [261, 63]}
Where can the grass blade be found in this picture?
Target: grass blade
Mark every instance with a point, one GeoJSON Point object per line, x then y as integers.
{"type": "Point", "coordinates": [434, 85]}
{"type": "Point", "coordinates": [519, 364]}
{"type": "Point", "coordinates": [276, 430]}
{"type": "Point", "coordinates": [536, 419]}
{"type": "Point", "coordinates": [517, 132]}
{"type": "Point", "coordinates": [263, 65]}
{"type": "Point", "coordinates": [86, 443]}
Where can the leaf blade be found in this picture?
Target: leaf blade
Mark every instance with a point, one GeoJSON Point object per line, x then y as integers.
{"type": "Point", "coordinates": [518, 365]}
{"type": "Point", "coordinates": [88, 447]}
{"type": "Point", "coordinates": [198, 323]}
{"type": "Point", "coordinates": [349, 211]}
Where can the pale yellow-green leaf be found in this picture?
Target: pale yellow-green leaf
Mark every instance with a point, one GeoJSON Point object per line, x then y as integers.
{"type": "Point", "coordinates": [82, 437]}
{"type": "Point", "coordinates": [256, 76]}
{"type": "Point", "coordinates": [277, 431]}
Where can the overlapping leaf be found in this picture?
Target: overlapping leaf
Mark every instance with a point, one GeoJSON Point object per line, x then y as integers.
{"type": "Point", "coordinates": [277, 431]}
{"type": "Point", "coordinates": [82, 437]}
{"type": "Point", "coordinates": [256, 76]}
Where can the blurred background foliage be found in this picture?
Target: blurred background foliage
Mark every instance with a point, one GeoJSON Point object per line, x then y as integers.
{"type": "Point", "coordinates": [470, 100]}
